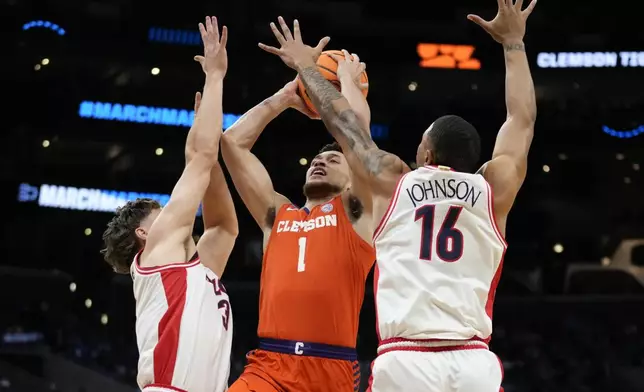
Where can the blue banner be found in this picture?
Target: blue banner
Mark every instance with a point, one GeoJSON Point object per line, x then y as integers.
{"type": "Point", "coordinates": [168, 116]}
{"type": "Point", "coordinates": [83, 199]}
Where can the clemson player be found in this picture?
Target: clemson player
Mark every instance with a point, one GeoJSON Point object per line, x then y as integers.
{"type": "Point", "coordinates": [316, 258]}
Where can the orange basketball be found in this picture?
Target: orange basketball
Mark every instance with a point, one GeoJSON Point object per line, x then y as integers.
{"type": "Point", "coordinates": [328, 68]}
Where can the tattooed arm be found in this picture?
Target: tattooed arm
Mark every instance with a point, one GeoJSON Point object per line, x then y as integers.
{"type": "Point", "coordinates": [381, 168]}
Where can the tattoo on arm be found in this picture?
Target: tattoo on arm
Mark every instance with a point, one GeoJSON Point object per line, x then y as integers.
{"type": "Point", "coordinates": [513, 47]}
{"type": "Point", "coordinates": [344, 125]}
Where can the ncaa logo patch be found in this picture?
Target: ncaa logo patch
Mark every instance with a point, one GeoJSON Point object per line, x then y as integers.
{"type": "Point", "coordinates": [327, 208]}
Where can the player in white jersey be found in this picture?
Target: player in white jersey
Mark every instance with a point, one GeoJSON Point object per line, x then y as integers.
{"type": "Point", "coordinates": [183, 314]}
{"type": "Point", "coordinates": [440, 243]}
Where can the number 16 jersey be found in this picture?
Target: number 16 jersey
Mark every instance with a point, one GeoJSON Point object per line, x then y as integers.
{"type": "Point", "coordinates": [439, 255]}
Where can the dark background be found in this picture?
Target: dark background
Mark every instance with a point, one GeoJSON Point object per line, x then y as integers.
{"type": "Point", "coordinates": [554, 329]}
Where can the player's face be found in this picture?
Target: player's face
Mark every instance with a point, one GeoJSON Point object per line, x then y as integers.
{"type": "Point", "coordinates": [329, 168]}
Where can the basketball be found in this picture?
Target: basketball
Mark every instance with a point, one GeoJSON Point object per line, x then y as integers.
{"type": "Point", "coordinates": [328, 68]}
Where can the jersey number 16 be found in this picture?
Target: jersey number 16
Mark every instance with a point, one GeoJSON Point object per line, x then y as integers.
{"type": "Point", "coordinates": [449, 240]}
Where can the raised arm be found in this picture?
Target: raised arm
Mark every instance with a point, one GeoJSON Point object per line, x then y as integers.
{"type": "Point", "coordinates": [219, 218]}
{"type": "Point", "coordinates": [220, 223]}
{"type": "Point", "coordinates": [507, 169]}
{"type": "Point", "coordinates": [250, 177]}
{"type": "Point", "coordinates": [350, 71]}
{"type": "Point", "coordinates": [174, 223]}
{"type": "Point", "coordinates": [382, 168]}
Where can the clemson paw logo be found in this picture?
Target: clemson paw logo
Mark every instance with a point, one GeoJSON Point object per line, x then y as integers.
{"type": "Point", "coordinates": [447, 56]}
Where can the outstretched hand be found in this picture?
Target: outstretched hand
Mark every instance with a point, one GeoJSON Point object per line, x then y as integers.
{"type": "Point", "coordinates": [508, 27]}
{"type": "Point", "coordinates": [350, 68]}
{"type": "Point", "coordinates": [292, 50]}
{"type": "Point", "coordinates": [215, 59]}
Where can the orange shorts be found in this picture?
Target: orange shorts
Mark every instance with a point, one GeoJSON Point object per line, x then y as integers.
{"type": "Point", "coordinates": [269, 371]}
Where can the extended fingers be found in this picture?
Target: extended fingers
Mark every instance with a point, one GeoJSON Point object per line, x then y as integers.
{"type": "Point", "coordinates": [530, 8]}
{"type": "Point", "coordinates": [224, 37]}
{"type": "Point", "coordinates": [478, 20]}
{"type": "Point", "coordinates": [278, 35]}
{"type": "Point", "coordinates": [323, 42]}
{"type": "Point", "coordinates": [296, 31]}
{"type": "Point", "coordinates": [214, 31]}
{"type": "Point", "coordinates": [269, 49]}
{"type": "Point", "coordinates": [285, 29]}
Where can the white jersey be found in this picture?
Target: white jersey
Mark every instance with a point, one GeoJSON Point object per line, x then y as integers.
{"type": "Point", "coordinates": [439, 258]}
{"type": "Point", "coordinates": [184, 328]}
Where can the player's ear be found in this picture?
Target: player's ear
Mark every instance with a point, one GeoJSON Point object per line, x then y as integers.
{"type": "Point", "coordinates": [429, 157]}
{"type": "Point", "coordinates": [141, 233]}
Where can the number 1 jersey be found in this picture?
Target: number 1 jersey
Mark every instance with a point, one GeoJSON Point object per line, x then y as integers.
{"type": "Point", "coordinates": [313, 276]}
{"type": "Point", "coordinates": [439, 255]}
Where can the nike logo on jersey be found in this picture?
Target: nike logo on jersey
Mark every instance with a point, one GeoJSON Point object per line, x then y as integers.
{"type": "Point", "coordinates": [443, 189]}
{"type": "Point", "coordinates": [307, 225]}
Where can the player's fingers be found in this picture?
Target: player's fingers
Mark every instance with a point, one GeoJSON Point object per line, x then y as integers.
{"type": "Point", "coordinates": [285, 29]}
{"type": "Point", "coordinates": [269, 49]}
{"type": "Point", "coordinates": [296, 30]}
{"type": "Point", "coordinates": [518, 5]}
{"type": "Point", "coordinates": [364, 86]}
{"type": "Point", "coordinates": [478, 20]}
{"type": "Point", "coordinates": [530, 8]}
{"type": "Point", "coordinates": [509, 3]}
{"type": "Point", "coordinates": [224, 37]}
{"type": "Point", "coordinates": [215, 28]}
{"type": "Point", "coordinates": [355, 57]}
{"type": "Point", "coordinates": [278, 34]}
{"type": "Point", "coordinates": [501, 3]}
{"type": "Point", "coordinates": [323, 42]}
{"type": "Point", "coordinates": [199, 59]}
{"type": "Point", "coordinates": [336, 57]}
{"type": "Point", "coordinates": [208, 25]}
{"type": "Point", "coordinates": [346, 55]}
{"type": "Point", "coordinates": [362, 67]}
{"type": "Point", "coordinates": [202, 30]}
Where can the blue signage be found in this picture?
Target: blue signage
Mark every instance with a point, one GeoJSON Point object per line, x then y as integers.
{"type": "Point", "coordinates": [82, 199]}
{"type": "Point", "coordinates": [623, 134]}
{"type": "Point", "coordinates": [168, 116]}
{"type": "Point", "coordinates": [44, 24]}
{"type": "Point", "coordinates": [174, 36]}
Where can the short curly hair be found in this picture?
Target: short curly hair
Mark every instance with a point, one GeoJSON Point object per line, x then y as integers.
{"type": "Point", "coordinates": [331, 147]}
{"type": "Point", "coordinates": [120, 240]}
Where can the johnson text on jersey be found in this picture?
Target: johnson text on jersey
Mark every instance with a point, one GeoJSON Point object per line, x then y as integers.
{"type": "Point", "coordinates": [443, 189]}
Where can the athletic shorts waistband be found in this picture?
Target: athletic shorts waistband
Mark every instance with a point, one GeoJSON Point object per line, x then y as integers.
{"type": "Point", "coordinates": [161, 388]}
{"type": "Point", "coordinates": [430, 345]}
{"type": "Point", "coordinates": [307, 349]}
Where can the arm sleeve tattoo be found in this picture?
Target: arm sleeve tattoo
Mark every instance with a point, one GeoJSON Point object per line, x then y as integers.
{"type": "Point", "coordinates": [344, 125]}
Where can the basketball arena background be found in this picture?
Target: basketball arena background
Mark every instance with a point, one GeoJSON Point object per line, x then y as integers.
{"type": "Point", "coordinates": [98, 98]}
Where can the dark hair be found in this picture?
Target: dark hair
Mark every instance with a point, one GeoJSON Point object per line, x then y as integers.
{"type": "Point", "coordinates": [455, 143]}
{"type": "Point", "coordinates": [120, 240]}
{"type": "Point", "coordinates": [331, 147]}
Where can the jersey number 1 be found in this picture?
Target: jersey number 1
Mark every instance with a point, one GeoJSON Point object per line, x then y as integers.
{"type": "Point", "coordinates": [301, 252]}
{"type": "Point", "coordinates": [449, 240]}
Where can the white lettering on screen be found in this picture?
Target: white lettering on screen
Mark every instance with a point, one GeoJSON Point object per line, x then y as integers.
{"type": "Point", "coordinates": [590, 59]}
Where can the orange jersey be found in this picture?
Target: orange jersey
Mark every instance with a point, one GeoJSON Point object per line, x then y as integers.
{"type": "Point", "coordinates": [313, 276]}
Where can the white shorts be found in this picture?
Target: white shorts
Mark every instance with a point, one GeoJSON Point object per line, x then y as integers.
{"type": "Point", "coordinates": [461, 370]}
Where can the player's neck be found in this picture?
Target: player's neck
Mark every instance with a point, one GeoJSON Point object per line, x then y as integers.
{"type": "Point", "coordinates": [310, 203]}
